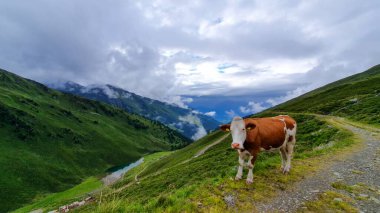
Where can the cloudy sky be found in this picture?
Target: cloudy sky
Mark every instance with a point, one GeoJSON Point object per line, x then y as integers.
{"type": "Point", "coordinates": [221, 57]}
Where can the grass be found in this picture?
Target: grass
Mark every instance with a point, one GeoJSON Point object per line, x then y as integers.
{"type": "Point", "coordinates": [356, 189]}
{"type": "Point", "coordinates": [55, 200]}
{"type": "Point", "coordinates": [89, 186]}
{"type": "Point", "coordinates": [50, 141]}
{"type": "Point", "coordinates": [202, 183]}
{"type": "Point", "coordinates": [330, 201]}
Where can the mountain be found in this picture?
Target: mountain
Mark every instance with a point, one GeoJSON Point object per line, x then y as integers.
{"type": "Point", "coordinates": [50, 141]}
{"type": "Point", "coordinates": [199, 177]}
{"type": "Point", "coordinates": [192, 125]}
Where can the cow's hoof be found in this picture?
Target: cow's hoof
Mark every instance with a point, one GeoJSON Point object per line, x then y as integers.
{"type": "Point", "coordinates": [237, 178]}
{"type": "Point", "coordinates": [286, 170]}
{"type": "Point", "coordinates": [249, 182]}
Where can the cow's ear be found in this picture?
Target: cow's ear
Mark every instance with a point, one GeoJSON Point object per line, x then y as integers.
{"type": "Point", "coordinates": [250, 126]}
{"type": "Point", "coordinates": [225, 127]}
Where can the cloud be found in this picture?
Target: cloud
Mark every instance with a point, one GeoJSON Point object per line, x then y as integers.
{"type": "Point", "coordinates": [252, 108]}
{"type": "Point", "coordinates": [231, 113]}
{"type": "Point", "coordinates": [179, 101]}
{"type": "Point", "coordinates": [223, 48]}
{"type": "Point", "coordinates": [211, 113]}
{"type": "Point", "coordinates": [201, 131]}
{"type": "Point", "coordinates": [194, 120]}
{"type": "Point", "coordinates": [289, 95]}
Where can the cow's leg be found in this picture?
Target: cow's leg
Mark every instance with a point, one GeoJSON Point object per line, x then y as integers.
{"type": "Point", "coordinates": [239, 174]}
{"type": "Point", "coordinates": [289, 154]}
{"type": "Point", "coordinates": [283, 158]}
{"type": "Point", "coordinates": [251, 165]}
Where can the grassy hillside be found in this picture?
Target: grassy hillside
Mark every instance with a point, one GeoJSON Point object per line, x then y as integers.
{"type": "Point", "coordinates": [179, 182]}
{"type": "Point", "coordinates": [356, 97]}
{"type": "Point", "coordinates": [50, 141]}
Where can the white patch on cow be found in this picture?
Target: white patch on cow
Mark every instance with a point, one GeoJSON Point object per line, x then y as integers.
{"type": "Point", "coordinates": [250, 172]}
{"type": "Point", "coordinates": [239, 174]}
{"type": "Point", "coordinates": [238, 132]}
{"type": "Point", "coordinates": [290, 147]}
{"type": "Point", "coordinates": [250, 176]}
{"type": "Point", "coordinates": [285, 132]}
{"type": "Point", "coordinates": [283, 157]}
{"type": "Point", "coordinates": [292, 132]}
{"type": "Point", "coordinates": [243, 156]}
{"type": "Point", "coordinates": [249, 163]}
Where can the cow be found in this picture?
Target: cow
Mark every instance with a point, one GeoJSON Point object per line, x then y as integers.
{"type": "Point", "coordinates": [252, 135]}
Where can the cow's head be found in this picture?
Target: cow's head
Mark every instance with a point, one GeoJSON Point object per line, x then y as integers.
{"type": "Point", "coordinates": [239, 130]}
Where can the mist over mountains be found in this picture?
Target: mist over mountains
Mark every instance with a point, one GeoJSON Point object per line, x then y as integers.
{"type": "Point", "coordinates": [189, 122]}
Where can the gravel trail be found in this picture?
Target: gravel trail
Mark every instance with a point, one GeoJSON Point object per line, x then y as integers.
{"type": "Point", "coordinates": [360, 167]}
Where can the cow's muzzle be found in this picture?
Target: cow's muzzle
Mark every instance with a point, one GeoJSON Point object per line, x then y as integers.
{"type": "Point", "coordinates": [235, 146]}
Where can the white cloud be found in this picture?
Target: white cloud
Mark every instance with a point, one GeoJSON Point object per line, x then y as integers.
{"type": "Point", "coordinates": [289, 95]}
{"type": "Point", "coordinates": [193, 119]}
{"type": "Point", "coordinates": [231, 113]}
{"type": "Point", "coordinates": [97, 88]}
{"type": "Point", "coordinates": [201, 131]}
{"type": "Point", "coordinates": [252, 107]}
{"type": "Point", "coordinates": [179, 101]}
{"type": "Point", "coordinates": [211, 113]}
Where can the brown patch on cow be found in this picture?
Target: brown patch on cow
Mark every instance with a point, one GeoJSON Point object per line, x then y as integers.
{"type": "Point", "coordinates": [269, 133]}
{"type": "Point", "coordinates": [290, 138]}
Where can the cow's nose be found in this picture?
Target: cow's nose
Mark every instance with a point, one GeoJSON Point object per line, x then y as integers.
{"type": "Point", "coordinates": [235, 145]}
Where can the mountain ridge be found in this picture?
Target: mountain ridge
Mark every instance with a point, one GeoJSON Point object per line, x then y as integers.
{"type": "Point", "coordinates": [190, 123]}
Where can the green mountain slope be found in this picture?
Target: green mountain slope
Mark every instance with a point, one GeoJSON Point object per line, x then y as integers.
{"type": "Point", "coordinates": [50, 141]}
{"type": "Point", "coordinates": [180, 182]}
{"type": "Point", "coordinates": [356, 97]}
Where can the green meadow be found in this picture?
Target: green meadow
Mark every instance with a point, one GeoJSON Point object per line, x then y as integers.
{"type": "Point", "coordinates": [50, 141]}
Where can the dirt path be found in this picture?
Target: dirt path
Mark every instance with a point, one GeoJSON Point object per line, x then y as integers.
{"type": "Point", "coordinates": [360, 168]}
{"type": "Point", "coordinates": [202, 151]}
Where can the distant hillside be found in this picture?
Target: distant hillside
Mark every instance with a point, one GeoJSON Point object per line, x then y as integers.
{"type": "Point", "coordinates": [192, 125]}
{"type": "Point", "coordinates": [50, 141]}
{"type": "Point", "coordinates": [356, 97]}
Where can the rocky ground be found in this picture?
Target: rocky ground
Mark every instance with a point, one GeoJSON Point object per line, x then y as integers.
{"type": "Point", "coordinates": [355, 176]}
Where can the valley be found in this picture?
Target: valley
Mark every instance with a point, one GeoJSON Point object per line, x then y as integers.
{"type": "Point", "coordinates": [50, 141]}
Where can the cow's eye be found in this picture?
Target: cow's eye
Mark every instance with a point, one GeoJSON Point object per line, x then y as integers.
{"type": "Point", "coordinates": [243, 129]}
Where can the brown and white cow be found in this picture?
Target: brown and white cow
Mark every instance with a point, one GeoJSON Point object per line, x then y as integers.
{"type": "Point", "coordinates": [252, 135]}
